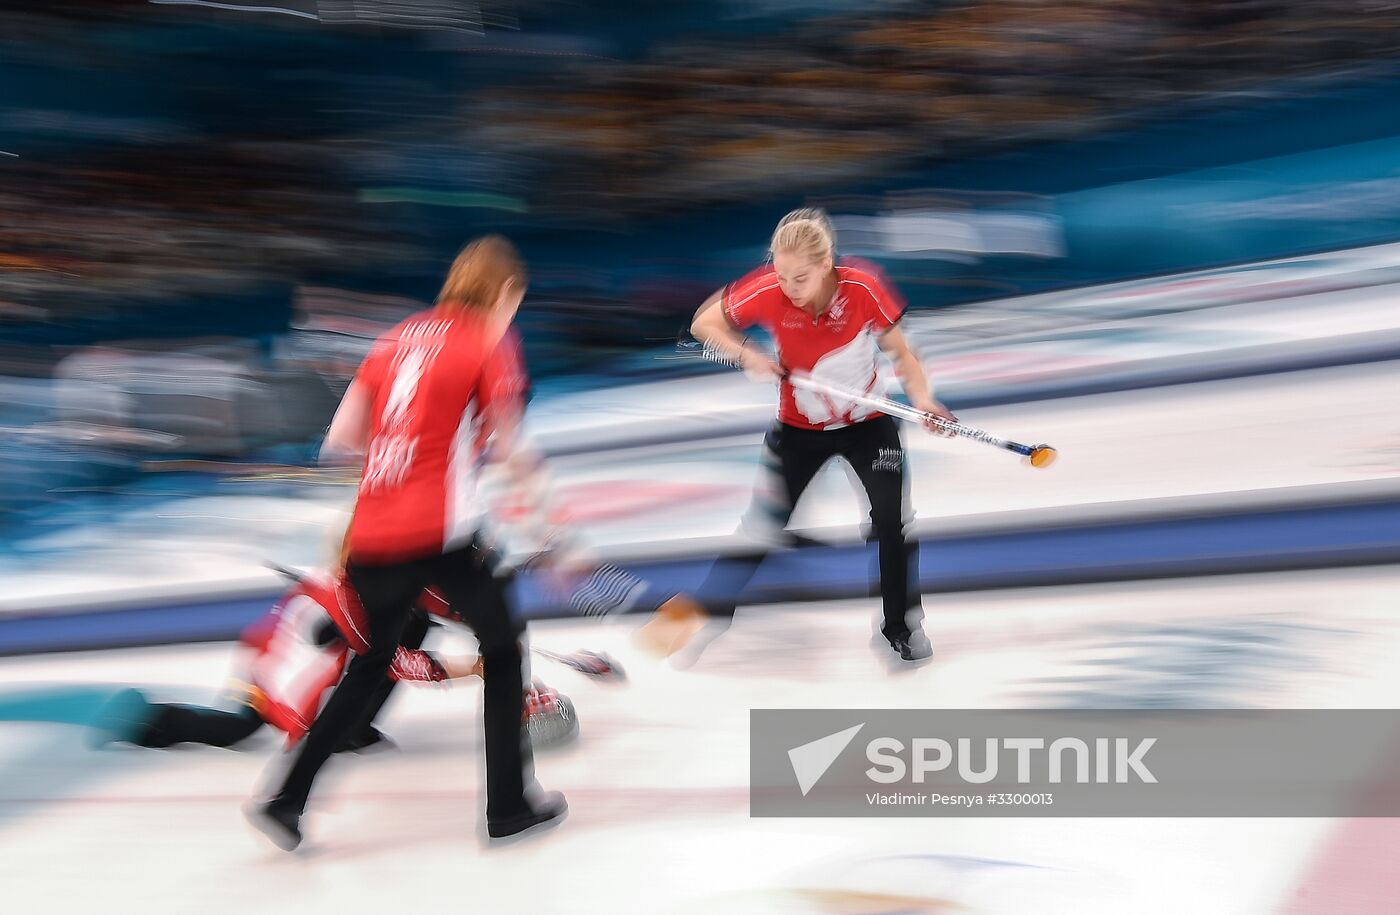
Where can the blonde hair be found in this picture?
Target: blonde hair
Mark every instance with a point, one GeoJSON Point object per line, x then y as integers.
{"type": "Point", "coordinates": [807, 232]}
{"type": "Point", "coordinates": [481, 271]}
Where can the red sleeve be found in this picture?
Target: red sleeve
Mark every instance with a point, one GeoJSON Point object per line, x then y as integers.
{"type": "Point", "coordinates": [431, 601]}
{"type": "Point", "coordinates": [887, 304]}
{"type": "Point", "coordinates": [752, 300]}
{"type": "Point", "coordinates": [370, 374]}
{"type": "Point", "coordinates": [342, 603]}
{"type": "Point", "coordinates": [503, 382]}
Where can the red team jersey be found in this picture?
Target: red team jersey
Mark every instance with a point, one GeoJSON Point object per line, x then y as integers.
{"type": "Point", "coordinates": [838, 346]}
{"type": "Point", "coordinates": [434, 383]}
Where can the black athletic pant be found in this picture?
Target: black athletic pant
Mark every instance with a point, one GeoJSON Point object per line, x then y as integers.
{"type": "Point", "coordinates": [173, 723]}
{"type": "Point", "coordinates": [791, 458]}
{"type": "Point", "coordinates": [414, 632]}
{"type": "Point", "coordinates": [466, 579]}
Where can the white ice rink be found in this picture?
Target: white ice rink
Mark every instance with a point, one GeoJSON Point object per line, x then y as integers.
{"type": "Point", "coordinates": [658, 778]}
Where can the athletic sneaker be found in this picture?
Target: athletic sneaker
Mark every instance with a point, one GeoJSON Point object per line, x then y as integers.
{"type": "Point", "coordinates": [282, 826]}
{"type": "Point", "coordinates": [550, 808]}
{"type": "Point", "coordinates": [912, 646]}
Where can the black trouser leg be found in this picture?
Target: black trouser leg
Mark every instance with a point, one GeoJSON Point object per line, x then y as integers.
{"type": "Point", "coordinates": [414, 632]}
{"type": "Point", "coordinates": [791, 458]}
{"type": "Point", "coordinates": [172, 724]}
{"type": "Point", "coordinates": [877, 457]}
{"type": "Point", "coordinates": [467, 579]}
{"type": "Point", "coordinates": [508, 753]}
{"type": "Point", "coordinates": [387, 593]}
{"type": "Point", "coordinates": [726, 580]}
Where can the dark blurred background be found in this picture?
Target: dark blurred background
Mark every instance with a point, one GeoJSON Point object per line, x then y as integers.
{"type": "Point", "coordinates": [185, 170]}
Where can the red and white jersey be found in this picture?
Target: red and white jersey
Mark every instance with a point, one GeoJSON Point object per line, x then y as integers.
{"type": "Point", "coordinates": [837, 347]}
{"type": "Point", "coordinates": [435, 384]}
{"type": "Point", "coordinates": [297, 656]}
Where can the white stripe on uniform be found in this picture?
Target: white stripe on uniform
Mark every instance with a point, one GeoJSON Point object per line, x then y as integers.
{"type": "Point", "coordinates": [463, 512]}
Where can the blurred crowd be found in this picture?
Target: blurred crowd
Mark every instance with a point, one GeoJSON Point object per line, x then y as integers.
{"type": "Point", "coordinates": [279, 154]}
{"type": "Point", "coordinates": [850, 98]}
{"type": "Point", "coordinates": [168, 230]}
